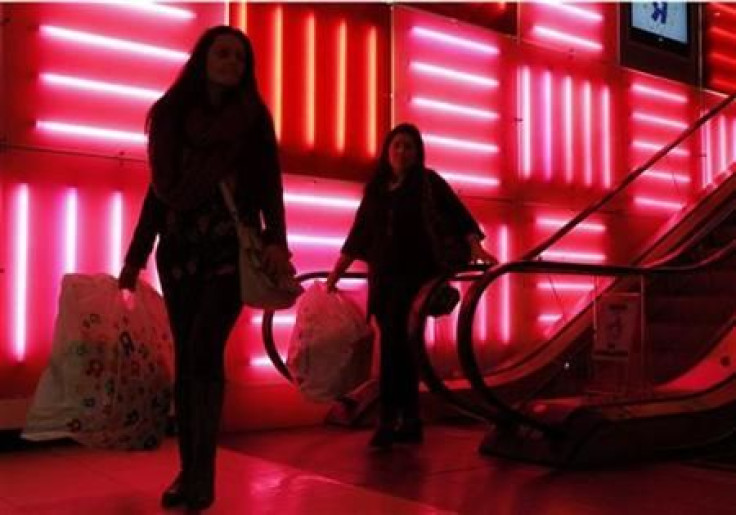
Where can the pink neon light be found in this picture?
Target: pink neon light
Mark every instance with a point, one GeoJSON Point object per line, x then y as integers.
{"type": "Point", "coordinates": [453, 75]}
{"type": "Point", "coordinates": [548, 318]}
{"type": "Point", "coordinates": [657, 203]}
{"type": "Point", "coordinates": [278, 67]}
{"type": "Point", "coordinates": [260, 362]}
{"type": "Point", "coordinates": [571, 255]}
{"type": "Point", "coordinates": [568, 129]}
{"type": "Point", "coordinates": [607, 144]}
{"type": "Point", "coordinates": [733, 140]}
{"type": "Point", "coordinates": [667, 176]}
{"type": "Point", "coordinates": [460, 144]}
{"type": "Point", "coordinates": [722, 33]}
{"type": "Point", "coordinates": [648, 145]}
{"type": "Point", "coordinates": [473, 179]}
{"type": "Point", "coordinates": [119, 45]}
{"type": "Point", "coordinates": [96, 86]}
{"type": "Point", "coordinates": [724, 59]}
{"type": "Point", "coordinates": [448, 107]}
{"type": "Point", "coordinates": [562, 37]}
{"type": "Point", "coordinates": [722, 144]}
{"type": "Point", "coordinates": [588, 127]}
{"type": "Point", "coordinates": [707, 152]}
{"type": "Point", "coordinates": [21, 270]}
{"type": "Point", "coordinates": [155, 8]}
{"type": "Point", "coordinates": [89, 131]}
{"type": "Point", "coordinates": [658, 93]}
{"type": "Point", "coordinates": [311, 81]}
{"type": "Point", "coordinates": [577, 12]}
{"type": "Point", "coordinates": [582, 226]}
{"type": "Point", "coordinates": [565, 286]}
{"type": "Point", "coordinates": [658, 120]}
{"type": "Point", "coordinates": [116, 232]}
{"type": "Point", "coordinates": [724, 8]}
{"type": "Point", "coordinates": [464, 43]}
{"type": "Point", "coordinates": [244, 16]}
{"type": "Point", "coordinates": [70, 231]}
{"type": "Point", "coordinates": [503, 254]}
{"type": "Point", "coordinates": [342, 78]}
{"type": "Point", "coordinates": [319, 241]}
{"type": "Point", "coordinates": [482, 319]}
{"type": "Point", "coordinates": [278, 320]}
{"type": "Point", "coordinates": [371, 140]}
{"type": "Point", "coordinates": [526, 123]}
{"type": "Point", "coordinates": [330, 202]}
{"type": "Point", "coordinates": [547, 125]}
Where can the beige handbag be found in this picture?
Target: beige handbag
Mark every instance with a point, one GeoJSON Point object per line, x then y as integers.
{"type": "Point", "coordinates": [259, 289]}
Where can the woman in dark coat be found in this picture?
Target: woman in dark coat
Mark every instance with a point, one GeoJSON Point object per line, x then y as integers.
{"type": "Point", "coordinates": [210, 126]}
{"type": "Point", "coordinates": [395, 232]}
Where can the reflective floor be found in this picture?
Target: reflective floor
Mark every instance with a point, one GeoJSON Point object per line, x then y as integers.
{"type": "Point", "coordinates": [322, 470]}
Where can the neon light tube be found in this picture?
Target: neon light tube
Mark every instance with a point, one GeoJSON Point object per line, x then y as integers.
{"type": "Point", "coordinates": [658, 120]}
{"type": "Point", "coordinates": [320, 241]}
{"type": "Point", "coordinates": [722, 144]}
{"type": "Point", "coordinates": [569, 163]}
{"type": "Point", "coordinates": [565, 286]}
{"type": "Point", "coordinates": [310, 90]}
{"type": "Point", "coordinates": [708, 152]}
{"type": "Point", "coordinates": [116, 233]}
{"type": "Point", "coordinates": [556, 223]}
{"type": "Point", "coordinates": [578, 12]}
{"type": "Point", "coordinates": [314, 200]}
{"type": "Point", "coordinates": [90, 131]}
{"type": "Point", "coordinates": [724, 59]}
{"type": "Point", "coordinates": [548, 318]}
{"type": "Point", "coordinates": [278, 65]}
{"type": "Point", "coordinates": [648, 145]}
{"type": "Point", "coordinates": [547, 89]}
{"type": "Point", "coordinates": [447, 107]}
{"type": "Point", "coordinates": [526, 123]}
{"type": "Point", "coordinates": [453, 75]}
{"type": "Point", "coordinates": [244, 16]}
{"type": "Point", "coordinates": [342, 79]}
{"type": "Point", "coordinates": [278, 320]}
{"type": "Point", "coordinates": [120, 45]}
{"type": "Point", "coordinates": [470, 179]}
{"type": "Point", "coordinates": [21, 270]}
{"type": "Point", "coordinates": [371, 140]}
{"type": "Point", "coordinates": [503, 255]}
{"type": "Point", "coordinates": [464, 43]}
{"type": "Point", "coordinates": [155, 8]}
{"type": "Point", "coordinates": [657, 93]}
{"type": "Point", "coordinates": [460, 144]}
{"type": "Point", "coordinates": [588, 128]}
{"type": "Point", "coordinates": [562, 37]}
{"type": "Point", "coordinates": [656, 203]}
{"type": "Point", "coordinates": [101, 87]}
{"type": "Point", "coordinates": [607, 164]}
{"type": "Point", "coordinates": [569, 255]}
{"type": "Point", "coordinates": [70, 231]}
{"type": "Point", "coordinates": [667, 176]}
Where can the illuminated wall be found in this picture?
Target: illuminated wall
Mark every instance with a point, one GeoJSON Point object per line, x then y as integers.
{"type": "Point", "coordinates": [528, 130]}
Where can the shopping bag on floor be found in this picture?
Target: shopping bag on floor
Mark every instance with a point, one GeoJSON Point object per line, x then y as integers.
{"type": "Point", "coordinates": [108, 381]}
{"type": "Point", "coordinates": [331, 346]}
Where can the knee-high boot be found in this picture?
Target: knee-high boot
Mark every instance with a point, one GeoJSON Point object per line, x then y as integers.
{"type": "Point", "coordinates": [208, 399]}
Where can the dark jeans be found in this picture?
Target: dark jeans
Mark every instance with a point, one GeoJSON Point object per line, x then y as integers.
{"type": "Point", "coordinates": [202, 311]}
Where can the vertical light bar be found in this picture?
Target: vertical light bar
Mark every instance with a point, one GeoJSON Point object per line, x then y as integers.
{"type": "Point", "coordinates": [482, 320]}
{"type": "Point", "coordinates": [278, 65]}
{"type": "Point", "coordinates": [547, 125]}
{"type": "Point", "coordinates": [227, 13]}
{"type": "Point", "coordinates": [733, 140]}
{"type": "Point", "coordinates": [372, 90]}
{"type": "Point", "coordinates": [155, 279]}
{"type": "Point", "coordinates": [116, 232]}
{"type": "Point", "coordinates": [722, 152]}
{"type": "Point", "coordinates": [606, 115]}
{"type": "Point", "coordinates": [588, 135]}
{"type": "Point", "coordinates": [70, 231]}
{"type": "Point", "coordinates": [342, 65]}
{"type": "Point", "coordinates": [21, 270]}
{"type": "Point", "coordinates": [526, 122]}
{"type": "Point", "coordinates": [707, 170]}
{"type": "Point", "coordinates": [310, 90]}
{"type": "Point", "coordinates": [505, 314]}
{"type": "Point", "coordinates": [244, 16]}
{"type": "Point", "coordinates": [569, 163]}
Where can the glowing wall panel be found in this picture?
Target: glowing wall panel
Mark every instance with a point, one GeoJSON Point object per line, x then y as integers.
{"type": "Point", "coordinates": [719, 40]}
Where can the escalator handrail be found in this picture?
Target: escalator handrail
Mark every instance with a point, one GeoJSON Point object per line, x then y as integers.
{"type": "Point", "coordinates": [465, 348]}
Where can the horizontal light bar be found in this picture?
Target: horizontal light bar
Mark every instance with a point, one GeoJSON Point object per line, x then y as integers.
{"type": "Point", "coordinates": [460, 144]}
{"type": "Point", "coordinates": [326, 241]}
{"type": "Point", "coordinates": [121, 45]}
{"type": "Point", "coordinates": [90, 131]}
{"type": "Point", "coordinates": [319, 201]}
{"type": "Point", "coordinates": [454, 40]}
{"type": "Point", "coordinates": [549, 318]}
{"type": "Point", "coordinates": [154, 8]}
{"type": "Point", "coordinates": [454, 75]}
{"type": "Point", "coordinates": [718, 31]}
{"type": "Point", "coordinates": [470, 179]}
{"type": "Point", "coordinates": [447, 107]}
{"type": "Point", "coordinates": [724, 8]}
{"type": "Point", "coordinates": [565, 286]}
{"type": "Point", "coordinates": [280, 320]}
{"type": "Point", "coordinates": [260, 362]}
{"type": "Point", "coordinates": [648, 145]}
{"type": "Point", "coordinates": [658, 93]}
{"type": "Point", "coordinates": [667, 176]}
{"type": "Point", "coordinates": [101, 87]}
{"type": "Point", "coordinates": [578, 12]}
{"type": "Point", "coordinates": [657, 203]}
{"type": "Point", "coordinates": [563, 37]}
{"type": "Point", "coordinates": [571, 255]}
{"type": "Point", "coordinates": [722, 58]}
{"type": "Point", "coordinates": [658, 120]}
{"type": "Point", "coordinates": [582, 226]}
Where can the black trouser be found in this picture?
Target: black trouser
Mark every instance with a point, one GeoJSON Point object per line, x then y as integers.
{"type": "Point", "coordinates": [202, 311]}
{"type": "Point", "coordinates": [399, 376]}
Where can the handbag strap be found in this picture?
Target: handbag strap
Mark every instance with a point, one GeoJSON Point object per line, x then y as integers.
{"type": "Point", "coordinates": [229, 201]}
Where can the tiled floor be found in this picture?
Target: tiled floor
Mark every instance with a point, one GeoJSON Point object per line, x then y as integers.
{"type": "Point", "coordinates": [329, 471]}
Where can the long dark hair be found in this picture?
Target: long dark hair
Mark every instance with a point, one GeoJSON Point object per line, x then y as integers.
{"type": "Point", "coordinates": [383, 171]}
{"type": "Point", "coordinates": [190, 87]}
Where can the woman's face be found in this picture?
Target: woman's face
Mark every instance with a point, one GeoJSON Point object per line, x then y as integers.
{"type": "Point", "coordinates": [226, 61]}
{"type": "Point", "coordinates": [402, 153]}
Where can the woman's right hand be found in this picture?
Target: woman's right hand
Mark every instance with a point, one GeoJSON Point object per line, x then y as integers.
{"type": "Point", "coordinates": [128, 278]}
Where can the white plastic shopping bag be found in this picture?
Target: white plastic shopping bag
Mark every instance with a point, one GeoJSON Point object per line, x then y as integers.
{"type": "Point", "coordinates": [108, 381]}
{"type": "Point", "coordinates": [331, 347]}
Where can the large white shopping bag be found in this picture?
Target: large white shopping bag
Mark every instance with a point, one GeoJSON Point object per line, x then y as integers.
{"type": "Point", "coordinates": [331, 346]}
{"type": "Point", "coordinates": [108, 382]}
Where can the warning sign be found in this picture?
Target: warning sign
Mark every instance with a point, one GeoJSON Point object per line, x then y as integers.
{"type": "Point", "coordinates": [618, 317]}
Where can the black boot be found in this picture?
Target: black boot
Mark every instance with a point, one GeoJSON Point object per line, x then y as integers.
{"type": "Point", "coordinates": [383, 437]}
{"type": "Point", "coordinates": [208, 409]}
{"type": "Point", "coordinates": [409, 431]}
{"type": "Point", "coordinates": [175, 495]}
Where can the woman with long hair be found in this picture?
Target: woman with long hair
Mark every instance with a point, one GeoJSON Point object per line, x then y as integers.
{"type": "Point", "coordinates": [210, 127]}
{"type": "Point", "coordinates": [396, 232]}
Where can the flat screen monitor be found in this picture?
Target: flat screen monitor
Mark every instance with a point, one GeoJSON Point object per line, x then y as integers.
{"type": "Point", "coordinates": [664, 25]}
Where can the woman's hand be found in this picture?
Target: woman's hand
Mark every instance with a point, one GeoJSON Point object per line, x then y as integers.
{"type": "Point", "coordinates": [276, 260]}
{"type": "Point", "coordinates": [128, 277]}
